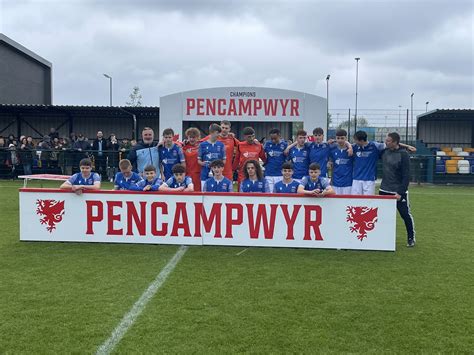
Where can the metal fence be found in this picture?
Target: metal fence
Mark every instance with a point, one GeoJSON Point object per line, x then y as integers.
{"type": "Point", "coordinates": [62, 161]}
{"type": "Point", "coordinates": [424, 168]}
{"type": "Point", "coordinates": [376, 122]}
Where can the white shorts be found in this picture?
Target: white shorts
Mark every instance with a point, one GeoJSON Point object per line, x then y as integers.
{"type": "Point", "coordinates": [362, 187]}
{"type": "Point", "coordinates": [272, 180]}
{"type": "Point", "coordinates": [346, 190]}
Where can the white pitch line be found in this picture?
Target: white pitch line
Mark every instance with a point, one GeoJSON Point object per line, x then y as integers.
{"type": "Point", "coordinates": [242, 251]}
{"type": "Point", "coordinates": [127, 321]}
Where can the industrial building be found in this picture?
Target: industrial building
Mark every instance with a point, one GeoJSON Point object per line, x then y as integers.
{"type": "Point", "coordinates": [25, 77]}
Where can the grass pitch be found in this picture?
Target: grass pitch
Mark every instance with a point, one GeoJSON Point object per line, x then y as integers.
{"type": "Point", "coordinates": [68, 297]}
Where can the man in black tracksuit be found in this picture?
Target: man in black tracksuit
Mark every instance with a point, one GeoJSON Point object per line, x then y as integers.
{"type": "Point", "coordinates": [395, 181]}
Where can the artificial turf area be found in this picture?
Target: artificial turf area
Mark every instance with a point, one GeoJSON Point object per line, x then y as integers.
{"type": "Point", "coordinates": [69, 297]}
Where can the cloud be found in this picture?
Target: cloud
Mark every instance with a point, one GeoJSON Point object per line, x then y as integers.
{"type": "Point", "coordinates": [170, 46]}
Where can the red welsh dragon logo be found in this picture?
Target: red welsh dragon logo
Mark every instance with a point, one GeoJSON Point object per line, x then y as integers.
{"type": "Point", "coordinates": [362, 220]}
{"type": "Point", "coordinates": [52, 212]}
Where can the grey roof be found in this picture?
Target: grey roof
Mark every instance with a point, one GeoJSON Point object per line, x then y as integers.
{"type": "Point", "coordinates": [24, 50]}
{"type": "Point", "coordinates": [104, 111]}
{"type": "Point", "coordinates": [447, 114]}
{"type": "Point", "coordinates": [33, 106]}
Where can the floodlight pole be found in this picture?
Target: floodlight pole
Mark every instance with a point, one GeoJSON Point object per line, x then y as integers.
{"type": "Point", "coordinates": [327, 103]}
{"type": "Point", "coordinates": [110, 85]}
{"type": "Point", "coordinates": [357, 84]}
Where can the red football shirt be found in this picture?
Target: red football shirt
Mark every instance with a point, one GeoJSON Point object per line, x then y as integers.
{"type": "Point", "coordinates": [230, 144]}
{"type": "Point", "coordinates": [245, 152]}
{"type": "Point", "coordinates": [193, 169]}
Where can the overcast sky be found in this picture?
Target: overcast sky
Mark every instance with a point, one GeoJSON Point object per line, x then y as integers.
{"type": "Point", "coordinates": [425, 47]}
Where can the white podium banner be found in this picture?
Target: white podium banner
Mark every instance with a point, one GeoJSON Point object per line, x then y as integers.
{"type": "Point", "coordinates": [234, 219]}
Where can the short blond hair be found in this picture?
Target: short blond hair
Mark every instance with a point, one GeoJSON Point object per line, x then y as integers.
{"type": "Point", "coordinates": [124, 164]}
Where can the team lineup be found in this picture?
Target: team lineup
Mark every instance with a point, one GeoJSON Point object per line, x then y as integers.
{"type": "Point", "coordinates": [209, 164]}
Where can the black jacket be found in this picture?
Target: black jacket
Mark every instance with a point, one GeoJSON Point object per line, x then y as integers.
{"type": "Point", "coordinates": [95, 146]}
{"type": "Point", "coordinates": [396, 171]}
{"type": "Point", "coordinates": [26, 154]}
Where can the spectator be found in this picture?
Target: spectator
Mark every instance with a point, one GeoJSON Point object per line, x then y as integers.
{"type": "Point", "coordinates": [26, 155]}
{"type": "Point", "coordinates": [80, 147]}
{"type": "Point", "coordinates": [46, 149]}
{"type": "Point", "coordinates": [66, 156]}
{"type": "Point", "coordinates": [73, 138]}
{"type": "Point", "coordinates": [32, 144]}
{"type": "Point", "coordinates": [56, 149]}
{"type": "Point", "coordinates": [125, 147]}
{"type": "Point", "coordinates": [10, 140]}
{"type": "Point", "coordinates": [113, 156]}
{"type": "Point", "coordinates": [99, 148]}
{"type": "Point", "coordinates": [56, 143]}
{"type": "Point", "coordinates": [81, 144]}
{"type": "Point", "coordinates": [3, 157]}
{"type": "Point", "coordinates": [12, 160]}
{"type": "Point", "coordinates": [64, 143]}
{"type": "Point", "coordinates": [53, 133]}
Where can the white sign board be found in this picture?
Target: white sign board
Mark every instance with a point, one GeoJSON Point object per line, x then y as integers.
{"type": "Point", "coordinates": [247, 104]}
{"type": "Point", "coordinates": [265, 220]}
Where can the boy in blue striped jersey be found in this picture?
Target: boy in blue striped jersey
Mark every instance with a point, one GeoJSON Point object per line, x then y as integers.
{"type": "Point", "coordinates": [366, 155]}
{"type": "Point", "coordinates": [254, 180]}
{"type": "Point", "coordinates": [298, 154]}
{"type": "Point", "coordinates": [179, 181]}
{"type": "Point", "coordinates": [274, 151]}
{"type": "Point", "coordinates": [126, 179]}
{"type": "Point", "coordinates": [287, 185]}
{"type": "Point", "coordinates": [218, 182]}
{"type": "Point", "coordinates": [170, 154]}
{"type": "Point", "coordinates": [151, 181]}
{"type": "Point", "coordinates": [314, 184]}
{"type": "Point", "coordinates": [319, 151]}
{"type": "Point", "coordinates": [210, 151]}
{"type": "Point", "coordinates": [342, 163]}
{"type": "Point", "coordinates": [85, 180]}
